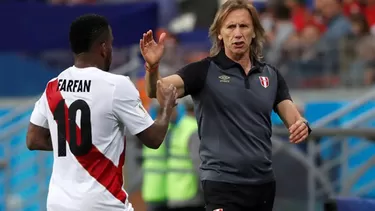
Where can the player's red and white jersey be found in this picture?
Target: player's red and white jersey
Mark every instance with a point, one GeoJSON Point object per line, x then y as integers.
{"type": "Point", "coordinates": [88, 112]}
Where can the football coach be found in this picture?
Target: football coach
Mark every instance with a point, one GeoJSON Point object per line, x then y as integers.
{"type": "Point", "coordinates": [234, 93]}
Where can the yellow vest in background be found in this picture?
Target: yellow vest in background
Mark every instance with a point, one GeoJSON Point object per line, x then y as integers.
{"type": "Point", "coordinates": [182, 179]}
{"type": "Point", "coordinates": [154, 173]}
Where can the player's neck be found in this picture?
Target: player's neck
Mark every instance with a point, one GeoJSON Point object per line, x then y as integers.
{"type": "Point", "coordinates": [86, 60]}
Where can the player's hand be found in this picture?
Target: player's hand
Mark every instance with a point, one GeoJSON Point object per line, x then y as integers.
{"type": "Point", "coordinates": [150, 50]}
{"type": "Point", "coordinates": [298, 131]}
{"type": "Point", "coordinates": [166, 95]}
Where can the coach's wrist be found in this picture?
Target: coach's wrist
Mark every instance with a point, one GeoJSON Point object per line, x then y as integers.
{"type": "Point", "coordinates": [151, 67]}
{"type": "Point", "coordinates": [307, 125]}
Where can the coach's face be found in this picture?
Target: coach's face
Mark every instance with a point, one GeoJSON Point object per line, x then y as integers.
{"type": "Point", "coordinates": [237, 32]}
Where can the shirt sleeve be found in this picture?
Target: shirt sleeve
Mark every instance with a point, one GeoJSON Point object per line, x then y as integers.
{"type": "Point", "coordinates": [39, 114]}
{"type": "Point", "coordinates": [282, 91]}
{"type": "Point", "coordinates": [194, 76]}
{"type": "Point", "coordinates": [128, 108]}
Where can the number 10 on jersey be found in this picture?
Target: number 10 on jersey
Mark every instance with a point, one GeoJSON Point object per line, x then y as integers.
{"type": "Point", "coordinates": [69, 127]}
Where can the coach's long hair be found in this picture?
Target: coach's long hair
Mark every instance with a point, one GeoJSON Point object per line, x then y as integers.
{"type": "Point", "coordinates": [256, 45]}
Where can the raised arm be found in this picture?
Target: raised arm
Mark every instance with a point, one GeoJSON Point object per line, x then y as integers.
{"type": "Point", "coordinates": [152, 52]}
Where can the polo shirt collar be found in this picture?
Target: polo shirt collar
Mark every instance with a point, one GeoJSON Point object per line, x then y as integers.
{"type": "Point", "coordinates": [223, 61]}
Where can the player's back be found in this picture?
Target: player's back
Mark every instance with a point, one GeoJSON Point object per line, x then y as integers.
{"type": "Point", "coordinates": [88, 141]}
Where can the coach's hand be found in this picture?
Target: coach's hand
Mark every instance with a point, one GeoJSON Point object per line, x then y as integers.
{"type": "Point", "coordinates": [150, 50]}
{"type": "Point", "coordinates": [166, 95]}
{"type": "Point", "coordinates": [298, 131]}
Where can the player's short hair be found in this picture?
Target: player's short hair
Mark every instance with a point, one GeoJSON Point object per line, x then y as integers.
{"type": "Point", "coordinates": [85, 30]}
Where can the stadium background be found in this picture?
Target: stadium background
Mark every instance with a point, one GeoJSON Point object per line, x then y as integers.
{"type": "Point", "coordinates": [333, 87]}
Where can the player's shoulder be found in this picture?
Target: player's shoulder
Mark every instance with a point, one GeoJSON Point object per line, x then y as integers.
{"type": "Point", "coordinates": [122, 84]}
{"type": "Point", "coordinates": [107, 80]}
{"type": "Point", "coordinates": [111, 77]}
{"type": "Point", "coordinates": [121, 81]}
{"type": "Point", "coordinates": [106, 77]}
{"type": "Point", "coordinates": [62, 74]}
{"type": "Point", "coordinates": [103, 75]}
{"type": "Point", "coordinates": [52, 80]}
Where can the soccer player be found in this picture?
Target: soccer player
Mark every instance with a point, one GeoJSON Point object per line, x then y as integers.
{"type": "Point", "coordinates": [83, 116]}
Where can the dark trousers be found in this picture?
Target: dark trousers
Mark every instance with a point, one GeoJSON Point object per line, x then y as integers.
{"type": "Point", "coordinates": [188, 209]}
{"type": "Point", "coordinates": [157, 206]}
{"type": "Point", "coordinates": [164, 207]}
{"type": "Point", "coordinates": [232, 197]}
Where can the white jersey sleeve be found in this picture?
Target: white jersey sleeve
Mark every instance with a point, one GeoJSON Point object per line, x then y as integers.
{"type": "Point", "coordinates": [128, 108]}
{"type": "Point", "coordinates": [39, 114]}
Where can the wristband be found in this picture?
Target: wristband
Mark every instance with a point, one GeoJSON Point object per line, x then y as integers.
{"type": "Point", "coordinates": [308, 126]}
{"type": "Point", "coordinates": [151, 69]}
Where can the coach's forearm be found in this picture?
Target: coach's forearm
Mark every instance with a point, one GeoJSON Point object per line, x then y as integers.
{"type": "Point", "coordinates": [151, 79]}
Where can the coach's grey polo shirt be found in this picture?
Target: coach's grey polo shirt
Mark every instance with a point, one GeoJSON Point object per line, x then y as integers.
{"type": "Point", "coordinates": [233, 111]}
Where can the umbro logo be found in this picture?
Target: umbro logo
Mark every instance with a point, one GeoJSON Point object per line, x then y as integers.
{"type": "Point", "coordinates": [224, 79]}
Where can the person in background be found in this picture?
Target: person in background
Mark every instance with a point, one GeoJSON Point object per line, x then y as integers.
{"type": "Point", "coordinates": [184, 191]}
{"type": "Point", "coordinates": [338, 26]}
{"type": "Point", "coordinates": [173, 55]}
{"type": "Point", "coordinates": [303, 66]}
{"type": "Point", "coordinates": [282, 30]}
{"type": "Point", "coordinates": [154, 165]}
{"type": "Point", "coordinates": [370, 11]}
{"type": "Point", "coordinates": [351, 7]}
{"type": "Point", "coordinates": [300, 15]}
{"type": "Point", "coordinates": [353, 60]}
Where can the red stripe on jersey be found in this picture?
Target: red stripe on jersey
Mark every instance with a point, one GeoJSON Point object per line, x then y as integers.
{"type": "Point", "coordinates": [95, 163]}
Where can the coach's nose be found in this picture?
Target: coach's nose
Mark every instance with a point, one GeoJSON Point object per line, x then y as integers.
{"type": "Point", "coordinates": [238, 33]}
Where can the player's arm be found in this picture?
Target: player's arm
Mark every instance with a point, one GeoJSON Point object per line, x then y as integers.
{"type": "Point", "coordinates": [154, 135]}
{"type": "Point", "coordinates": [38, 135]}
{"type": "Point", "coordinates": [130, 112]}
{"type": "Point", "coordinates": [288, 112]}
{"type": "Point", "coordinates": [38, 138]}
{"type": "Point", "coordinates": [188, 80]}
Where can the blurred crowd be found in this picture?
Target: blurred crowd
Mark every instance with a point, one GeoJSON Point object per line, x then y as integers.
{"type": "Point", "coordinates": [327, 44]}
{"type": "Point", "coordinates": [330, 45]}
{"type": "Point", "coordinates": [314, 43]}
